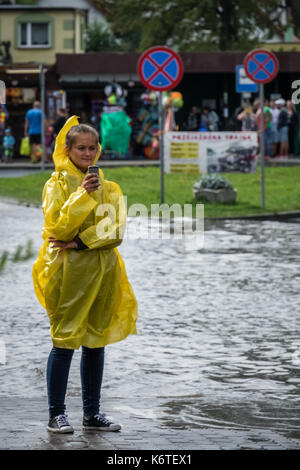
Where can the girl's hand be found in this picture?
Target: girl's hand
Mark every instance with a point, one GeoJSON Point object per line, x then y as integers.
{"type": "Point", "coordinates": [62, 245]}
{"type": "Point", "coordinates": [90, 182]}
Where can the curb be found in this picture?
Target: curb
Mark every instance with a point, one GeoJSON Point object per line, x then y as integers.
{"type": "Point", "coordinates": [267, 216]}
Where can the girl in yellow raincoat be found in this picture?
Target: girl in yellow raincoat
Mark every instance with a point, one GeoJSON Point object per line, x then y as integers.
{"type": "Point", "coordinates": [79, 276]}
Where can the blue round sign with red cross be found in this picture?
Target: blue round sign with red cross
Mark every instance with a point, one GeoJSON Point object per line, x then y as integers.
{"type": "Point", "coordinates": [160, 68]}
{"type": "Point", "coordinates": [261, 66]}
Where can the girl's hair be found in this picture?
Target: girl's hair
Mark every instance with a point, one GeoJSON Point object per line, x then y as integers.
{"type": "Point", "coordinates": [80, 129]}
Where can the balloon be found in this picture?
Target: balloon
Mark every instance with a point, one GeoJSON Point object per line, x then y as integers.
{"type": "Point", "coordinates": [176, 94]}
{"type": "Point", "coordinates": [112, 99]}
{"type": "Point", "coordinates": [177, 103]}
{"type": "Point", "coordinates": [119, 91]}
{"type": "Point", "coordinates": [165, 101]}
{"type": "Point", "coordinates": [108, 90]}
{"type": "Point", "coordinates": [152, 96]}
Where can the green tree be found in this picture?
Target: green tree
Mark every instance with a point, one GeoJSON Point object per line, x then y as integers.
{"type": "Point", "coordinates": [100, 39]}
{"type": "Point", "coordinates": [193, 25]}
{"type": "Point", "coordinates": [293, 10]}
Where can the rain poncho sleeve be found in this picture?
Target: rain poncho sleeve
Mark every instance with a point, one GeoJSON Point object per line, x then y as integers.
{"type": "Point", "coordinates": [110, 229]}
{"type": "Point", "coordinates": [63, 218]}
{"type": "Point", "coordinates": [86, 293]}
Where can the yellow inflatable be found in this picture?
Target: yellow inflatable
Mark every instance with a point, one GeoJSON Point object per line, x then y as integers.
{"type": "Point", "coordinates": [86, 293]}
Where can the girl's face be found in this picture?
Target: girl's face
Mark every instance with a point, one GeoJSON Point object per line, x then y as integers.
{"type": "Point", "coordinates": [83, 151]}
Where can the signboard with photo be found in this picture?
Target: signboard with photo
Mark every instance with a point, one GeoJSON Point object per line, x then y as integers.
{"type": "Point", "coordinates": [210, 152]}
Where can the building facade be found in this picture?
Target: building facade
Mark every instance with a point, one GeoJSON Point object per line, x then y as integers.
{"type": "Point", "coordinates": [37, 33]}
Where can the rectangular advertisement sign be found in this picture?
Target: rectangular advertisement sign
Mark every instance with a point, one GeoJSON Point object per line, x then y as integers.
{"type": "Point", "coordinates": [210, 152]}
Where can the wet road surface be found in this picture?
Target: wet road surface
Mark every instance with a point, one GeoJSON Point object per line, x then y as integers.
{"type": "Point", "coordinates": [217, 357]}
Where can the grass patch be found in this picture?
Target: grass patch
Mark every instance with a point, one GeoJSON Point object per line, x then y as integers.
{"type": "Point", "coordinates": [22, 253]}
{"type": "Point", "coordinates": [26, 189]}
{"type": "Point", "coordinates": [142, 185]}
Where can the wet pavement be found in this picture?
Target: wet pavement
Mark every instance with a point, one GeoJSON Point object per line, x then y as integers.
{"type": "Point", "coordinates": [147, 424]}
{"type": "Point", "coordinates": [216, 363]}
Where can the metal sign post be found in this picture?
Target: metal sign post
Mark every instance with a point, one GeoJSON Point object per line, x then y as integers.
{"type": "Point", "coordinates": [161, 146]}
{"type": "Point", "coordinates": [160, 69]}
{"type": "Point", "coordinates": [42, 93]}
{"type": "Point", "coordinates": [262, 143]}
{"type": "Point", "coordinates": [261, 66]}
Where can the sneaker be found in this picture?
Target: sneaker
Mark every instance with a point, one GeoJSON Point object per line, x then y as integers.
{"type": "Point", "coordinates": [59, 424]}
{"type": "Point", "coordinates": [99, 422]}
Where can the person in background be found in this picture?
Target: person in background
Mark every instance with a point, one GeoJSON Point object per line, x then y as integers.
{"type": "Point", "coordinates": [193, 120]}
{"type": "Point", "coordinates": [283, 127]}
{"type": "Point", "coordinates": [247, 117]}
{"type": "Point", "coordinates": [255, 105]}
{"type": "Point", "coordinates": [275, 136]}
{"type": "Point", "coordinates": [268, 135]}
{"type": "Point", "coordinates": [3, 118]}
{"type": "Point", "coordinates": [293, 125]}
{"type": "Point", "coordinates": [210, 119]}
{"type": "Point", "coordinates": [33, 128]}
{"type": "Point", "coordinates": [8, 145]}
{"type": "Point", "coordinates": [49, 143]}
{"type": "Point", "coordinates": [267, 127]}
{"type": "Point", "coordinates": [62, 116]}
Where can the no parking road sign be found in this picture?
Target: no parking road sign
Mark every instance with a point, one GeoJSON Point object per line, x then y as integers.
{"type": "Point", "coordinates": [261, 66]}
{"type": "Point", "coordinates": [160, 68]}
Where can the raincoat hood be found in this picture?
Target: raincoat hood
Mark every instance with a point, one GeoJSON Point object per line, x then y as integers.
{"type": "Point", "coordinates": [60, 157]}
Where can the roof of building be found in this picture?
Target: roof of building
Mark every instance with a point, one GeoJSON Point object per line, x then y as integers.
{"type": "Point", "coordinates": [74, 3]}
{"type": "Point", "coordinates": [194, 62]}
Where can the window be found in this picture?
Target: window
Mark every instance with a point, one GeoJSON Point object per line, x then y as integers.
{"type": "Point", "coordinates": [34, 35]}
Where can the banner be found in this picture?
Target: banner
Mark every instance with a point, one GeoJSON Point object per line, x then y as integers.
{"type": "Point", "coordinates": [210, 152]}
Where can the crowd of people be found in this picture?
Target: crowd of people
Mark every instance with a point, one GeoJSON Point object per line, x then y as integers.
{"type": "Point", "coordinates": [280, 124]}
{"type": "Point", "coordinates": [280, 127]}
{"type": "Point", "coordinates": [207, 120]}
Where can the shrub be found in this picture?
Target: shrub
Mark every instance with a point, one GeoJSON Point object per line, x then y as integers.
{"type": "Point", "coordinates": [213, 181]}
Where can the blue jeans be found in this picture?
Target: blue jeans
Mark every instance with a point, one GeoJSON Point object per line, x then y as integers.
{"type": "Point", "coordinates": [268, 140]}
{"type": "Point", "coordinates": [91, 373]}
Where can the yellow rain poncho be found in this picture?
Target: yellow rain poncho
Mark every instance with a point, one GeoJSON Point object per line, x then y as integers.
{"type": "Point", "coordinates": [86, 293]}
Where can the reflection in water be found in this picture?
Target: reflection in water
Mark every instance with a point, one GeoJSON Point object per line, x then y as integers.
{"type": "Point", "coordinates": [252, 417]}
{"type": "Point", "coordinates": [218, 325]}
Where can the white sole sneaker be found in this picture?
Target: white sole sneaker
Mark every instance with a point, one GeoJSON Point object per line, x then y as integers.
{"type": "Point", "coordinates": [112, 427]}
{"type": "Point", "coordinates": [64, 430]}
{"type": "Point", "coordinates": [60, 425]}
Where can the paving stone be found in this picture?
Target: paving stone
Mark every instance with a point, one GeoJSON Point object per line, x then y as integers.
{"type": "Point", "coordinates": [23, 426]}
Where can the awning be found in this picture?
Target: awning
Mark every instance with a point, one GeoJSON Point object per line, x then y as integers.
{"type": "Point", "coordinates": [114, 63]}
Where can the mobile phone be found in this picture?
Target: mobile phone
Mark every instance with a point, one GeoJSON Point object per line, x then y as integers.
{"type": "Point", "coordinates": [93, 169]}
